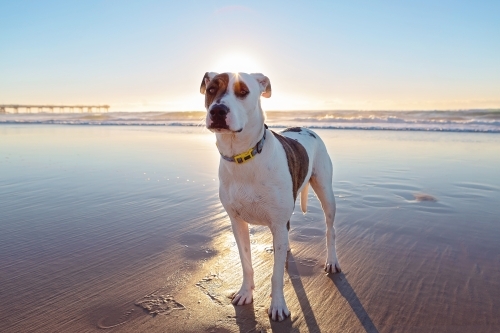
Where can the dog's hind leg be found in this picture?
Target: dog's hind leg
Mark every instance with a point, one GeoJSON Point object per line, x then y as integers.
{"type": "Point", "coordinates": [321, 182]}
{"type": "Point", "coordinates": [242, 236]}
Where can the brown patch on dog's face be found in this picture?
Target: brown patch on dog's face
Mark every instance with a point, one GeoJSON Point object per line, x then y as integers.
{"type": "Point", "coordinates": [216, 88]}
{"type": "Point", "coordinates": [240, 89]}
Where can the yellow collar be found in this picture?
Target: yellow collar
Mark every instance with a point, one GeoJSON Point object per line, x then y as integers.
{"type": "Point", "coordinates": [247, 155]}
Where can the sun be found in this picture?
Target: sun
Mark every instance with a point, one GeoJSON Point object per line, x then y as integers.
{"type": "Point", "coordinates": [237, 62]}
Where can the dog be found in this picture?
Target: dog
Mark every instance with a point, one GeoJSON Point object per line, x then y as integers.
{"type": "Point", "coordinates": [261, 173]}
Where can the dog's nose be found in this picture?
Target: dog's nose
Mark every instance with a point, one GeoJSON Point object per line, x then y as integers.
{"type": "Point", "coordinates": [219, 111]}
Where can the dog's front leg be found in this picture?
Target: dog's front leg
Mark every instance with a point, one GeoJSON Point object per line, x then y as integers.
{"type": "Point", "coordinates": [278, 310]}
{"type": "Point", "coordinates": [242, 236]}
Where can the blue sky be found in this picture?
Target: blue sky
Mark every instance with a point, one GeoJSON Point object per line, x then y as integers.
{"type": "Point", "coordinates": [151, 55]}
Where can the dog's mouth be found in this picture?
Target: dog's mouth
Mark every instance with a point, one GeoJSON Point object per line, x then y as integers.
{"type": "Point", "coordinates": [221, 126]}
{"type": "Point", "coordinates": [218, 125]}
{"type": "Point", "coordinates": [223, 130]}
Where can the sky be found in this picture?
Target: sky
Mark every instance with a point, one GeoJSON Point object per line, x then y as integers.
{"type": "Point", "coordinates": [319, 55]}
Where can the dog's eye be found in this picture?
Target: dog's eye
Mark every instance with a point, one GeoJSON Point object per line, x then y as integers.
{"type": "Point", "coordinates": [243, 92]}
{"type": "Point", "coordinates": [211, 91]}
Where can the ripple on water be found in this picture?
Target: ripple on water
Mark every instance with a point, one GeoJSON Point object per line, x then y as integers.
{"type": "Point", "coordinates": [405, 195]}
{"type": "Point", "coordinates": [396, 186]}
{"type": "Point", "coordinates": [477, 186]}
{"type": "Point", "coordinates": [377, 201]}
{"type": "Point", "coordinates": [467, 195]}
{"type": "Point", "coordinates": [415, 197]}
{"type": "Point", "coordinates": [427, 203]}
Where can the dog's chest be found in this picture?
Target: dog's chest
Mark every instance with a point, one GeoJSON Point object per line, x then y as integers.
{"type": "Point", "coordinates": [258, 197]}
{"type": "Point", "coordinates": [248, 203]}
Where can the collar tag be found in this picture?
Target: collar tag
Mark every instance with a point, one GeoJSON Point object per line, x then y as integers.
{"type": "Point", "coordinates": [243, 157]}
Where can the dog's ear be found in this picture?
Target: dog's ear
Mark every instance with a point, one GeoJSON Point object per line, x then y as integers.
{"type": "Point", "coordinates": [206, 80]}
{"type": "Point", "coordinates": [264, 83]}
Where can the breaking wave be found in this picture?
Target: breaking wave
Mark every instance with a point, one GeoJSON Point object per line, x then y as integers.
{"type": "Point", "coordinates": [447, 121]}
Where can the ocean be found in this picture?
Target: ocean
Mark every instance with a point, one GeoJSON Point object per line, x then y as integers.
{"type": "Point", "coordinates": [444, 121]}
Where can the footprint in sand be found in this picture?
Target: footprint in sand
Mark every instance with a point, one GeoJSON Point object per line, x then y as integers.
{"type": "Point", "coordinates": [111, 321]}
{"type": "Point", "coordinates": [159, 304]}
{"type": "Point", "coordinates": [209, 286]}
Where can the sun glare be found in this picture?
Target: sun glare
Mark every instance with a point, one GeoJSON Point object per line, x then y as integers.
{"type": "Point", "coordinates": [237, 62]}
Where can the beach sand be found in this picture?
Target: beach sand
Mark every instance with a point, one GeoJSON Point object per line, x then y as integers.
{"type": "Point", "coordinates": [119, 228]}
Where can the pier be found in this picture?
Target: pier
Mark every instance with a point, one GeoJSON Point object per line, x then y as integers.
{"type": "Point", "coordinates": [16, 108]}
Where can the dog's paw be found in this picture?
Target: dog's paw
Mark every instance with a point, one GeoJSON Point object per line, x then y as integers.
{"type": "Point", "coordinates": [242, 297]}
{"type": "Point", "coordinates": [332, 267]}
{"type": "Point", "coordinates": [278, 310]}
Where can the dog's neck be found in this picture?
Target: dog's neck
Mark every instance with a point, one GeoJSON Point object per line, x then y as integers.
{"type": "Point", "coordinates": [239, 142]}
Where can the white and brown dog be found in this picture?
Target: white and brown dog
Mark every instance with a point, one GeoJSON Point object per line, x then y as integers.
{"type": "Point", "coordinates": [262, 172]}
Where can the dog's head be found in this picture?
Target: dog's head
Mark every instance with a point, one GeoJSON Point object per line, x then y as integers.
{"type": "Point", "coordinates": [232, 99]}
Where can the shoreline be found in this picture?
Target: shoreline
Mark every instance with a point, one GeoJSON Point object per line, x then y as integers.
{"type": "Point", "coordinates": [437, 130]}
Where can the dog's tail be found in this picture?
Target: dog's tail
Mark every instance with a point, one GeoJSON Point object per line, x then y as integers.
{"type": "Point", "coordinates": [303, 198]}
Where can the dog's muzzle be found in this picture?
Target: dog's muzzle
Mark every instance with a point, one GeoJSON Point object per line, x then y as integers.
{"type": "Point", "coordinates": [218, 114]}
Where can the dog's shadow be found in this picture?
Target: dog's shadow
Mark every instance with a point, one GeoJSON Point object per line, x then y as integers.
{"type": "Point", "coordinates": [245, 315]}
{"type": "Point", "coordinates": [343, 286]}
{"type": "Point", "coordinates": [349, 294]}
{"type": "Point", "coordinates": [245, 318]}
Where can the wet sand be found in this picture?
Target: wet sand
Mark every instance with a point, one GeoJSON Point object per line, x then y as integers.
{"type": "Point", "coordinates": [120, 229]}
